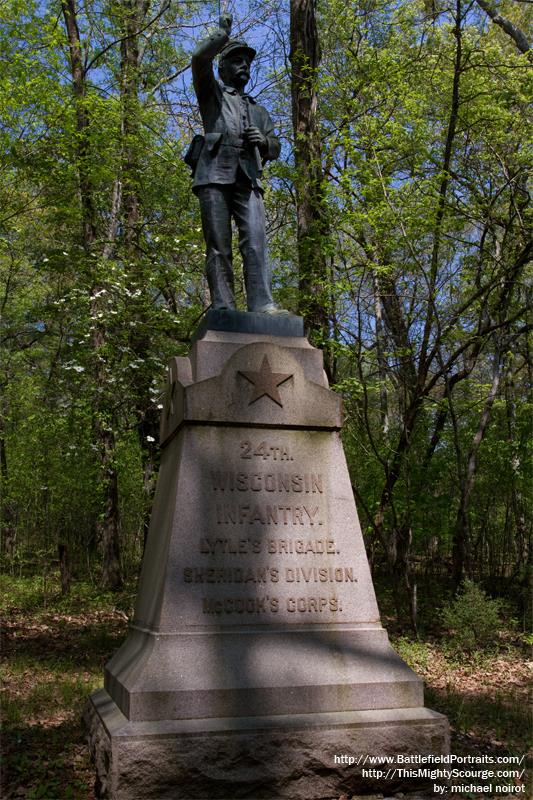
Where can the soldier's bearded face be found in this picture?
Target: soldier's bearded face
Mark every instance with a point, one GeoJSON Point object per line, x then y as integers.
{"type": "Point", "coordinates": [235, 70]}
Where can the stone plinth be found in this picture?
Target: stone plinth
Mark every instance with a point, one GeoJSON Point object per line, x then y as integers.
{"type": "Point", "coordinates": [229, 320]}
{"type": "Point", "coordinates": [256, 653]}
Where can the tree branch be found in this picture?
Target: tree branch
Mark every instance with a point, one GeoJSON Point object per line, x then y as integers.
{"type": "Point", "coordinates": [519, 38]}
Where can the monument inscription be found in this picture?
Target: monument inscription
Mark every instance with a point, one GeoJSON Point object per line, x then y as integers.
{"type": "Point", "coordinates": [268, 547]}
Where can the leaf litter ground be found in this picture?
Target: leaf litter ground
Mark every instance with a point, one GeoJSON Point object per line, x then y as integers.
{"type": "Point", "coordinates": [53, 657]}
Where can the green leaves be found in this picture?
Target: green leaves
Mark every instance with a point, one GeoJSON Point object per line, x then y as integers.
{"type": "Point", "coordinates": [421, 286]}
{"type": "Point", "coordinates": [89, 326]}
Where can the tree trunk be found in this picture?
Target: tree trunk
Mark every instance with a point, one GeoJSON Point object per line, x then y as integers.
{"type": "Point", "coordinates": [64, 568]}
{"type": "Point", "coordinates": [77, 72]}
{"type": "Point", "coordinates": [7, 516]}
{"type": "Point", "coordinates": [382, 362]}
{"type": "Point", "coordinates": [134, 12]}
{"type": "Point", "coordinates": [312, 226]}
{"type": "Point", "coordinates": [467, 484]}
{"type": "Point", "coordinates": [414, 377]}
{"type": "Point", "coordinates": [107, 524]}
{"type": "Point", "coordinates": [443, 187]}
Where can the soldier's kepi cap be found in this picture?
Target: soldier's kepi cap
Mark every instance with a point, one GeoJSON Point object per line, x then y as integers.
{"type": "Point", "coordinates": [233, 46]}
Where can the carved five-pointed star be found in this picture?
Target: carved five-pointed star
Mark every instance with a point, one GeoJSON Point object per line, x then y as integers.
{"type": "Point", "coordinates": [266, 382]}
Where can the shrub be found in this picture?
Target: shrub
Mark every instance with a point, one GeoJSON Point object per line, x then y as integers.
{"type": "Point", "coordinates": [472, 617]}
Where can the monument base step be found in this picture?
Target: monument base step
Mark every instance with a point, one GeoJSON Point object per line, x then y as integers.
{"type": "Point", "coordinates": [293, 757]}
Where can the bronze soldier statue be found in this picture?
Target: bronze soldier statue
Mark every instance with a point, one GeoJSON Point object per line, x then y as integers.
{"type": "Point", "coordinates": [239, 138]}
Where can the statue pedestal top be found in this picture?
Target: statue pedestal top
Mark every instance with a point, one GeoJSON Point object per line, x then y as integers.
{"type": "Point", "coordinates": [231, 321]}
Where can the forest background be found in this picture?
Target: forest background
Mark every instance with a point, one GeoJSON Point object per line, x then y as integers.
{"type": "Point", "coordinates": [399, 222]}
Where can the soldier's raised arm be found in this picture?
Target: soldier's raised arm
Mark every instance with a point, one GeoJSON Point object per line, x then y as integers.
{"type": "Point", "coordinates": [204, 54]}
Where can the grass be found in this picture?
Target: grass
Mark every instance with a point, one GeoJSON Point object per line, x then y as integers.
{"type": "Point", "coordinates": [55, 650]}
{"type": "Point", "coordinates": [485, 694]}
{"type": "Point", "coordinates": [33, 595]}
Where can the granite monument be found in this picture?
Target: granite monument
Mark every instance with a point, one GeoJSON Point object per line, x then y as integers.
{"type": "Point", "coordinates": [255, 661]}
{"type": "Point", "coordinates": [256, 656]}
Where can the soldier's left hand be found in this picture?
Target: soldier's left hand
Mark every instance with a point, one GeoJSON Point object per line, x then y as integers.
{"type": "Point", "coordinates": [253, 136]}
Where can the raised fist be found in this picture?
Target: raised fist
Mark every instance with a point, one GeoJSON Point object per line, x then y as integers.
{"type": "Point", "coordinates": [225, 22]}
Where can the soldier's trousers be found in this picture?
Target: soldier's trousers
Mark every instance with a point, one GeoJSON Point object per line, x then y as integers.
{"type": "Point", "coordinates": [218, 204]}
